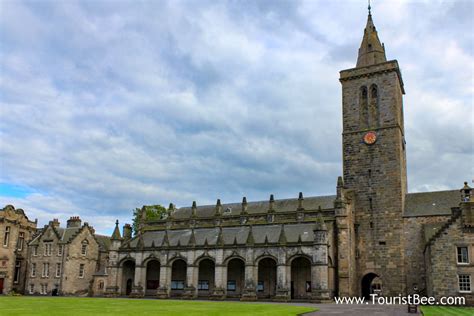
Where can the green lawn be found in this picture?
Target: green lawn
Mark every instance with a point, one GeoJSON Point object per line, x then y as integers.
{"type": "Point", "coordinates": [52, 306]}
{"type": "Point", "coordinates": [447, 311]}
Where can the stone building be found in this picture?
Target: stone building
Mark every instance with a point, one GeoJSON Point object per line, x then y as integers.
{"type": "Point", "coordinates": [15, 231]}
{"type": "Point", "coordinates": [63, 261]}
{"type": "Point", "coordinates": [371, 236]}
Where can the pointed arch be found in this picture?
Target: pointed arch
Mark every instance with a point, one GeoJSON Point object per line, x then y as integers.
{"type": "Point", "coordinates": [374, 111]}
{"type": "Point", "coordinates": [363, 107]}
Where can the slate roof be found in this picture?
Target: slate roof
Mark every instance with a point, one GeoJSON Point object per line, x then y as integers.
{"type": "Point", "coordinates": [229, 234]}
{"type": "Point", "coordinates": [104, 242]}
{"type": "Point", "coordinates": [284, 205]}
{"type": "Point", "coordinates": [431, 203]}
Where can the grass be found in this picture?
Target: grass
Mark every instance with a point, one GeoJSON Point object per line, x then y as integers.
{"type": "Point", "coordinates": [447, 311]}
{"type": "Point", "coordinates": [57, 306]}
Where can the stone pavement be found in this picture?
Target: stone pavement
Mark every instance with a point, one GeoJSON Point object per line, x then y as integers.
{"type": "Point", "coordinates": [358, 310]}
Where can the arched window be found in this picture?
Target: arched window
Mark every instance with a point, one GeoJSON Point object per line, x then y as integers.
{"type": "Point", "coordinates": [363, 108]}
{"type": "Point", "coordinates": [374, 119]}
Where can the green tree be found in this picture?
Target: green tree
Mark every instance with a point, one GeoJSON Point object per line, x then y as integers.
{"type": "Point", "coordinates": [146, 213]}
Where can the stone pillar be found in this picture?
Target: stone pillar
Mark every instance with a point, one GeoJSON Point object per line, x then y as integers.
{"type": "Point", "coordinates": [138, 283]}
{"type": "Point", "coordinates": [220, 277]}
{"type": "Point", "coordinates": [319, 283]}
{"type": "Point", "coordinates": [282, 290]}
{"type": "Point", "coordinates": [114, 281]}
{"type": "Point", "coordinates": [190, 291]}
{"type": "Point", "coordinates": [165, 282]}
{"type": "Point", "coordinates": [249, 291]}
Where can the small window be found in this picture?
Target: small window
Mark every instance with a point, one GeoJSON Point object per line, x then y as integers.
{"type": "Point", "coordinates": [32, 288]}
{"type": "Point", "coordinates": [382, 243]}
{"type": "Point", "coordinates": [260, 286]}
{"type": "Point", "coordinates": [33, 270]}
{"type": "Point", "coordinates": [60, 250]}
{"type": "Point", "coordinates": [81, 270]}
{"type": "Point", "coordinates": [308, 286]}
{"type": "Point", "coordinates": [463, 255]}
{"type": "Point", "coordinates": [231, 285]}
{"type": "Point", "coordinates": [6, 237]}
{"type": "Point", "coordinates": [464, 283]}
{"type": "Point", "coordinates": [16, 277]}
{"type": "Point", "coordinates": [84, 248]}
{"type": "Point", "coordinates": [45, 270]}
{"type": "Point", "coordinates": [177, 285]}
{"type": "Point", "coordinates": [203, 285]}
{"type": "Point", "coordinates": [47, 249]}
{"type": "Point", "coordinates": [58, 270]}
{"type": "Point", "coordinates": [21, 240]}
{"type": "Point", "coordinates": [35, 250]}
{"type": "Point", "coordinates": [101, 285]}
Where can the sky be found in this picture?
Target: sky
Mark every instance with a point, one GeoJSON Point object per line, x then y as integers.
{"type": "Point", "coordinates": [106, 106]}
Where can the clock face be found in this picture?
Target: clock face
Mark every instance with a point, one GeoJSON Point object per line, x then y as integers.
{"type": "Point", "coordinates": [370, 138]}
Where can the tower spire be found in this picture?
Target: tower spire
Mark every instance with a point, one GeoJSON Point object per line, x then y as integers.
{"type": "Point", "coordinates": [371, 50]}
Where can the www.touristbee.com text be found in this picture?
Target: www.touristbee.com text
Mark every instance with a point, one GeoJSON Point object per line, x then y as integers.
{"type": "Point", "coordinates": [413, 299]}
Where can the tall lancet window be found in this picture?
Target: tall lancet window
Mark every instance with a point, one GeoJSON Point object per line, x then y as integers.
{"type": "Point", "coordinates": [374, 114]}
{"type": "Point", "coordinates": [363, 108]}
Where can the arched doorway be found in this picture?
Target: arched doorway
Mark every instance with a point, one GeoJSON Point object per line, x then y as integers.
{"type": "Point", "coordinates": [206, 277]}
{"type": "Point", "coordinates": [300, 278]}
{"type": "Point", "coordinates": [267, 273]}
{"type": "Point", "coordinates": [128, 276]}
{"type": "Point", "coordinates": [235, 277]}
{"type": "Point", "coordinates": [178, 277]}
{"type": "Point", "coordinates": [152, 277]}
{"type": "Point", "coordinates": [371, 284]}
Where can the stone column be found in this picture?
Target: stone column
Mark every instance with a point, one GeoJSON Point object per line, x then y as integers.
{"type": "Point", "coordinates": [249, 291]}
{"type": "Point", "coordinates": [165, 282]}
{"type": "Point", "coordinates": [220, 276]}
{"type": "Point", "coordinates": [319, 282]}
{"type": "Point", "coordinates": [282, 290]}
{"type": "Point", "coordinates": [138, 283]}
{"type": "Point", "coordinates": [114, 281]}
{"type": "Point", "coordinates": [190, 291]}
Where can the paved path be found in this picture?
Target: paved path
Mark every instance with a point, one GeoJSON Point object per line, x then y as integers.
{"type": "Point", "coordinates": [359, 310]}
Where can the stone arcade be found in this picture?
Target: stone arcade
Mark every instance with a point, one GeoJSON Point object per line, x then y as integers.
{"type": "Point", "coordinates": [371, 236]}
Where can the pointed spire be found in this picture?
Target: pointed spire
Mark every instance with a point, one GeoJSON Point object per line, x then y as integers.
{"type": "Point", "coordinates": [244, 206]}
{"type": "Point", "coordinates": [192, 239]}
{"type": "Point", "coordinates": [371, 50]}
{"type": "Point", "coordinates": [282, 238]}
{"type": "Point", "coordinates": [165, 242]}
{"type": "Point", "coordinates": [218, 208]}
{"type": "Point", "coordinates": [220, 238]}
{"type": "Point", "coordinates": [179, 242]}
{"type": "Point", "coordinates": [271, 203]}
{"type": "Point", "coordinates": [193, 209]}
{"type": "Point", "coordinates": [320, 225]}
{"type": "Point", "coordinates": [116, 234]}
{"type": "Point", "coordinates": [235, 241]}
{"type": "Point", "coordinates": [299, 239]}
{"type": "Point", "coordinates": [266, 240]}
{"type": "Point", "coordinates": [152, 244]}
{"type": "Point", "coordinates": [250, 240]}
{"type": "Point", "coordinates": [170, 210]}
{"type": "Point", "coordinates": [300, 201]}
{"type": "Point", "coordinates": [206, 244]}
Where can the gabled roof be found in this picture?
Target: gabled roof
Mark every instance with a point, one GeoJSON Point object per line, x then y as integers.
{"type": "Point", "coordinates": [284, 205]}
{"type": "Point", "coordinates": [431, 203]}
{"type": "Point", "coordinates": [209, 236]}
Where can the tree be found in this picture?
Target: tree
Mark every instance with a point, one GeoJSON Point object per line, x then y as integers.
{"type": "Point", "coordinates": [146, 213]}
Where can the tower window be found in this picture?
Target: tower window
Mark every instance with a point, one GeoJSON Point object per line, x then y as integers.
{"type": "Point", "coordinates": [374, 91]}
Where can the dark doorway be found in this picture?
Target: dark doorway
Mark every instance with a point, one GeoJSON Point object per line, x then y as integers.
{"type": "Point", "coordinates": [266, 286]}
{"type": "Point", "coordinates": [370, 284]}
{"type": "Point", "coordinates": [206, 277]}
{"type": "Point", "coordinates": [128, 289]}
{"type": "Point", "coordinates": [128, 276]}
{"type": "Point", "coordinates": [301, 278]}
{"type": "Point", "coordinates": [54, 292]}
{"type": "Point", "coordinates": [292, 290]}
{"type": "Point", "coordinates": [235, 277]}
{"type": "Point", "coordinates": [178, 277]}
{"type": "Point", "coordinates": [152, 277]}
{"type": "Point", "coordinates": [1, 286]}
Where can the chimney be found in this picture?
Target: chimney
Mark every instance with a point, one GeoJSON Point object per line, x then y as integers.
{"type": "Point", "coordinates": [127, 231]}
{"type": "Point", "coordinates": [73, 221]}
{"type": "Point", "coordinates": [54, 223]}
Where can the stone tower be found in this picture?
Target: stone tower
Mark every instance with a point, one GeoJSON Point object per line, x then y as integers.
{"type": "Point", "coordinates": [374, 165]}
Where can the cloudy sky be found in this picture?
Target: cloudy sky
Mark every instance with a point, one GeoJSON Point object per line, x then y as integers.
{"type": "Point", "coordinates": [109, 105]}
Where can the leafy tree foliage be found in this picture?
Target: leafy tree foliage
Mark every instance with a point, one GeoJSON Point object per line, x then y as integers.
{"type": "Point", "coordinates": [147, 212]}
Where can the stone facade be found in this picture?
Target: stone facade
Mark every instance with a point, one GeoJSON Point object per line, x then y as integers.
{"type": "Point", "coordinates": [15, 232]}
{"type": "Point", "coordinates": [63, 261]}
{"type": "Point", "coordinates": [372, 236]}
